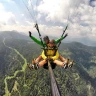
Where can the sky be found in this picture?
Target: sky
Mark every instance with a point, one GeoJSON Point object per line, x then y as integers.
{"type": "Point", "coordinates": [52, 17]}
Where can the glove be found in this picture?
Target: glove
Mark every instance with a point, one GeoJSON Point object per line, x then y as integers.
{"type": "Point", "coordinates": [30, 33]}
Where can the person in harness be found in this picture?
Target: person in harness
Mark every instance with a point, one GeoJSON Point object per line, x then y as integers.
{"type": "Point", "coordinates": [46, 40]}
{"type": "Point", "coordinates": [46, 43]}
{"type": "Point", "coordinates": [51, 54]}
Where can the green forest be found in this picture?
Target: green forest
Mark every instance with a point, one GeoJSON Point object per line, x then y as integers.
{"type": "Point", "coordinates": [16, 79]}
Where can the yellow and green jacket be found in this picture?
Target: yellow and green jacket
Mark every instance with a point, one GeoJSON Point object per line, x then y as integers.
{"type": "Point", "coordinates": [54, 54]}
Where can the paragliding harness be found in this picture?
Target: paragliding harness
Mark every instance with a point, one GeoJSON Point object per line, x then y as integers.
{"type": "Point", "coordinates": [53, 65]}
{"type": "Point", "coordinates": [45, 48]}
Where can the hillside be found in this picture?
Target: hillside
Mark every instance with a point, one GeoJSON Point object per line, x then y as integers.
{"type": "Point", "coordinates": [16, 50]}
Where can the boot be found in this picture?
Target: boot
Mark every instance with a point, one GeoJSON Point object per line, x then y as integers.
{"type": "Point", "coordinates": [30, 66]}
{"type": "Point", "coordinates": [71, 64]}
{"type": "Point", "coordinates": [35, 64]}
{"type": "Point", "coordinates": [66, 63]}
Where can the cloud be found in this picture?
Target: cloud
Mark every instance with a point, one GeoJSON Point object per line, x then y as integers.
{"type": "Point", "coordinates": [1, 6]}
{"type": "Point", "coordinates": [58, 10]}
{"type": "Point", "coordinates": [18, 27]}
{"type": "Point", "coordinates": [9, 22]}
{"type": "Point", "coordinates": [54, 9]}
{"type": "Point", "coordinates": [29, 3]}
{"type": "Point", "coordinates": [10, 1]}
{"type": "Point", "coordinates": [6, 17]}
{"type": "Point", "coordinates": [93, 3]}
{"type": "Point", "coordinates": [22, 14]}
{"type": "Point", "coordinates": [53, 17]}
{"type": "Point", "coordinates": [54, 31]}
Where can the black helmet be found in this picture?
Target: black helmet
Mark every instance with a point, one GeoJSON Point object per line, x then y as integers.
{"type": "Point", "coordinates": [46, 38]}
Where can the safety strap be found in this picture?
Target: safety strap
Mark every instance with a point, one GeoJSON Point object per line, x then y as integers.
{"type": "Point", "coordinates": [63, 34]}
{"type": "Point", "coordinates": [36, 26]}
{"type": "Point", "coordinates": [46, 50]}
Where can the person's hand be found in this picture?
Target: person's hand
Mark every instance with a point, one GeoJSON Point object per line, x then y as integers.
{"type": "Point", "coordinates": [30, 33]}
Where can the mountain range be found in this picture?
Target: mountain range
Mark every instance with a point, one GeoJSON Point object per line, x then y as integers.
{"type": "Point", "coordinates": [17, 50]}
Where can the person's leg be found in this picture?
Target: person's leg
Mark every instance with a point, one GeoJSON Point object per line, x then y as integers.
{"type": "Point", "coordinates": [58, 63]}
{"type": "Point", "coordinates": [41, 63]}
{"type": "Point", "coordinates": [66, 61]}
{"type": "Point", "coordinates": [38, 59]}
{"type": "Point", "coordinates": [63, 64]}
{"type": "Point", "coordinates": [37, 65]}
{"type": "Point", "coordinates": [62, 58]}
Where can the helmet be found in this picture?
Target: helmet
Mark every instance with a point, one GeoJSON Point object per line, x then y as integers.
{"type": "Point", "coordinates": [46, 38]}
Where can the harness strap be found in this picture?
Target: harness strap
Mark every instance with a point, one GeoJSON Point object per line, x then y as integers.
{"type": "Point", "coordinates": [46, 50]}
{"type": "Point", "coordinates": [36, 26]}
{"type": "Point", "coordinates": [63, 34]}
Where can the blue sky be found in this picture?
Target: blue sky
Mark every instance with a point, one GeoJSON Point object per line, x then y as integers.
{"type": "Point", "coordinates": [52, 17]}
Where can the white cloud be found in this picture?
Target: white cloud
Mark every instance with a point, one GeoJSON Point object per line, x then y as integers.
{"type": "Point", "coordinates": [10, 1]}
{"type": "Point", "coordinates": [51, 30]}
{"type": "Point", "coordinates": [54, 9]}
{"type": "Point", "coordinates": [18, 27]}
{"type": "Point", "coordinates": [10, 18]}
{"type": "Point", "coordinates": [84, 22]}
{"type": "Point", "coordinates": [29, 23]}
{"type": "Point", "coordinates": [1, 6]}
{"type": "Point", "coordinates": [7, 17]}
{"type": "Point", "coordinates": [58, 10]}
{"type": "Point", "coordinates": [22, 15]}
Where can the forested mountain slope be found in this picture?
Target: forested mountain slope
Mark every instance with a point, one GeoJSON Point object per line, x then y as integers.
{"type": "Point", "coordinates": [16, 50]}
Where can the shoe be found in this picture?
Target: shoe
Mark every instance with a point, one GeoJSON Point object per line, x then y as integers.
{"type": "Point", "coordinates": [30, 66]}
{"type": "Point", "coordinates": [66, 64]}
{"type": "Point", "coordinates": [71, 64]}
{"type": "Point", "coordinates": [36, 65]}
